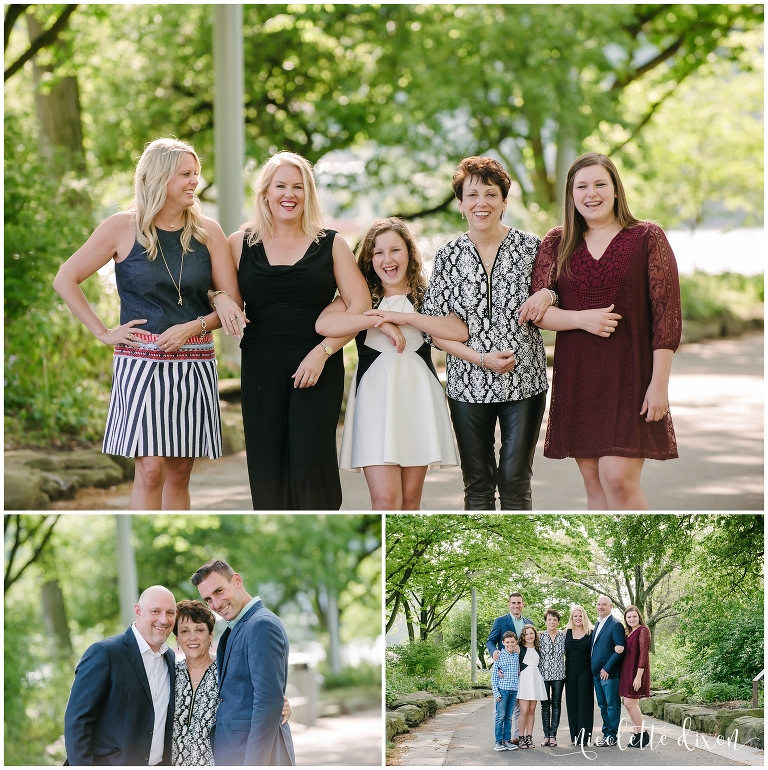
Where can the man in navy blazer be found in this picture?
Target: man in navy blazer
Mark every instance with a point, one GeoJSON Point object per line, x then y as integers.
{"type": "Point", "coordinates": [512, 621]}
{"type": "Point", "coordinates": [607, 634]}
{"type": "Point", "coordinates": [252, 659]}
{"type": "Point", "coordinates": [120, 709]}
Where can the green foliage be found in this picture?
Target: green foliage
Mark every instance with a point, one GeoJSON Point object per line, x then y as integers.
{"type": "Point", "coordinates": [56, 374]}
{"type": "Point", "coordinates": [363, 675]}
{"type": "Point", "coordinates": [420, 658]}
{"type": "Point", "coordinates": [705, 297]}
{"type": "Point", "coordinates": [718, 692]}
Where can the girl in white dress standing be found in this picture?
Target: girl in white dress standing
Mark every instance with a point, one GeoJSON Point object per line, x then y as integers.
{"type": "Point", "coordinates": [396, 423]}
{"type": "Point", "coordinates": [532, 688]}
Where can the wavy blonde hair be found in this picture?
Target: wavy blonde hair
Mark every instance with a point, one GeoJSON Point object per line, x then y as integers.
{"type": "Point", "coordinates": [157, 166]}
{"type": "Point", "coordinates": [586, 621]}
{"type": "Point", "coordinates": [414, 273]}
{"type": "Point", "coordinates": [261, 224]}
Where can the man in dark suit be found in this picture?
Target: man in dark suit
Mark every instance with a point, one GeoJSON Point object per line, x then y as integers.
{"type": "Point", "coordinates": [252, 660]}
{"type": "Point", "coordinates": [120, 709]}
{"type": "Point", "coordinates": [512, 621]}
{"type": "Point", "coordinates": [607, 634]}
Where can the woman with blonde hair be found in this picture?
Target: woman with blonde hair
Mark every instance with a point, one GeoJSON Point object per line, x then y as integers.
{"type": "Point", "coordinates": [618, 323]}
{"type": "Point", "coordinates": [164, 408]}
{"type": "Point", "coordinates": [579, 690]}
{"type": "Point", "coordinates": [289, 269]}
{"type": "Point", "coordinates": [396, 424]}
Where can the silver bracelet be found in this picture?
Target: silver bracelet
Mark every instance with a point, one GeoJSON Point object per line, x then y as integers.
{"type": "Point", "coordinates": [482, 360]}
{"type": "Point", "coordinates": [553, 297]}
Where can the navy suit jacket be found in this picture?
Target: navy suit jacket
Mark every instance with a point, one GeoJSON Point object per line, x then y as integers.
{"type": "Point", "coordinates": [603, 654]}
{"type": "Point", "coordinates": [500, 627]}
{"type": "Point", "coordinates": [253, 671]}
{"type": "Point", "coordinates": [110, 718]}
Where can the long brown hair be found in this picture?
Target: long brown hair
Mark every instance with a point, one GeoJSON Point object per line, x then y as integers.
{"type": "Point", "coordinates": [574, 225]}
{"type": "Point", "coordinates": [414, 274]}
{"type": "Point", "coordinates": [535, 636]}
{"type": "Point", "coordinates": [639, 615]}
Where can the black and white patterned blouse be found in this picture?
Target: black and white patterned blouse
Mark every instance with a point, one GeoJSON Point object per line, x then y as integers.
{"type": "Point", "coordinates": [552, 662]}
{"type": "Point", "coordinates": [488, 305]}
{"type": "Point", "coordinates": [193, 717]}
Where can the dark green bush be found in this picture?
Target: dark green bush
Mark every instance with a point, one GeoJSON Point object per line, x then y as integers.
{"type": "Point", "coordinates": [705, 297]}
{"type": "Point", "coordinates": [364, 675]}
{"type": "Point", "coordinates": [420, 658]}
{"type": "Point", "coordinates": [57, 375]}
{"type": "Point", "coordinates": [717, 692]}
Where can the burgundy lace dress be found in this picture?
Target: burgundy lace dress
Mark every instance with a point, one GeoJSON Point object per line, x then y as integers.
{"type": "Point", "coordinates": [636, 656]}
{"type": "Point", "coordinates": [599, 383]}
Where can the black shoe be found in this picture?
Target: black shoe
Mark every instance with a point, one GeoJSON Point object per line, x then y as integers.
{"type": "Point", "coordinates": [635, 742]}
{"type": "Point", "coordinates": [645, 740]}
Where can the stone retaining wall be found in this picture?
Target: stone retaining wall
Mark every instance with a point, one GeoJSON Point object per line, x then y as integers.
{"type": "Point", "coordinates": [412, 709]}
{"type": "Point", "coordinates": [744, 726]}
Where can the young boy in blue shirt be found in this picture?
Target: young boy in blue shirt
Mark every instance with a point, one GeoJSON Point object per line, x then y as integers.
{"type": "Point", "coordinates": [505, 681]}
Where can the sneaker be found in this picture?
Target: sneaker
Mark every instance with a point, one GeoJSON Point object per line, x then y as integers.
{"type": "Point", "coordinates": [510, 746]}
{"type": "Point", "coordinates": [499, 746]}
{"type": "Point", "coordinates": [600, 742]}
{"type": "Point", "coordinates": [611, 741]}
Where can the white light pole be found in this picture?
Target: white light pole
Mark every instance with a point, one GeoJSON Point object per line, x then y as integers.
{"type": "Point", "coordinates": [127, 582]}
{"type": "Point", "coordinates": [228, 129]}
{"type": "Point", "coordinates": [473, 635]}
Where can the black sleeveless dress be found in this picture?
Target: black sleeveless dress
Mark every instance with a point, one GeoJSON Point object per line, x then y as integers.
{"type": "Point", "coordinates": [579, 689]}
{"type": "Point", "coordinates": [290, 433]}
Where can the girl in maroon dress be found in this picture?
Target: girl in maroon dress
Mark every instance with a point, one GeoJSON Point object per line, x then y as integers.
{"type": "Point", "coordinates": [618, 325]}
{"type": "Point", "coordinates": [635, 675]}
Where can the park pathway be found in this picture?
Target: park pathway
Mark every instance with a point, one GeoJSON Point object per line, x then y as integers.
{"type": "Point", "coordinates": [716, 394]}
{"type": "Point", "coordinates": [463, 735]}
{"type": "Point", "coordinates": [348, 741]}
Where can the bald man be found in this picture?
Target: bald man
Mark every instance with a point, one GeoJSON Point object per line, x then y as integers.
{"type": "Point", "coordinates": [120, 709]}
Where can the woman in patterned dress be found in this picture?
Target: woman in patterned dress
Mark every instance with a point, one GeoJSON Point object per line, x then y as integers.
{"type": "Point", "coordinates": [164, 407]}
{"type": "Point", "coordinates": [618, 324]}
{"type": "Point", "coordinates": [197, 686]}
{"type": "Point", "coordinates": [552, 667]}
{"type": "Point", "coordinates": [500, 373]}
{"type": "Point", "coordinates": [635, 675]}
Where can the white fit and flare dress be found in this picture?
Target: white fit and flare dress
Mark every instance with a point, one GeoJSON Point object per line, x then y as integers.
{"type": "Point", "coordinates": [396, 411]}
{"type": "Point", "coordinates": [531, 685]}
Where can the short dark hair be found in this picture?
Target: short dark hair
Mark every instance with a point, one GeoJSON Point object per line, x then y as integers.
{"type": "Point", "coordinates": [516, 593]}
{"type": "Point", "coordinates": [509, 635]}
{"type": "Point", "coordinates": [487, 170]}
{"type": "Point", "coordinates": [553, 613]}
{"type": "Point", "coordinates": [196, 611]}
{"type": "Point", "coordinates": [214, 565]}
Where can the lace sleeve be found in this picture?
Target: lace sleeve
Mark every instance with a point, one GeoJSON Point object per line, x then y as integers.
{"type": "Point", "coordinates": [643, 661]}
{"type": "Point", "coordinates": [664, 286]}
{"type": "Point", "coordinates": [545, 267]}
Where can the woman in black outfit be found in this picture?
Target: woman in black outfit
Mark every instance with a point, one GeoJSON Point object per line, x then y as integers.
{"type": "Point", "coordinates": [289, 268]}
{"type": "Point", "coordinates": [579, 690]}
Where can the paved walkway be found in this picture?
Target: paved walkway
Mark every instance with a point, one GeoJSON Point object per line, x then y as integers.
{"type": "Point", "coordinates": [716, 393]}
{"type": "Point", "coordinates": [463, 735]}
{"type": "Point", "coordinates": [351, 741]}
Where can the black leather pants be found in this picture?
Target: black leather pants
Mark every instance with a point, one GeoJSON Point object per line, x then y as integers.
{"type": "Point", "coordinates": [555, 695]}
{"type": "Point", "coordinates": [475, 428]}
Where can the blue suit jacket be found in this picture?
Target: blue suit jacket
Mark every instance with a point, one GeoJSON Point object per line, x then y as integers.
{"type": "Point", "coordinates": [603, 654]}
{"type": "Point", "coordinates": [110, 718]}
{"type": "Point", "coordinates": [500, 627]}
{"type": "Point", "coordinates": [253, 671]}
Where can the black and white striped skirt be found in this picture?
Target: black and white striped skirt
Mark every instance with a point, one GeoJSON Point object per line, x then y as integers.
{"type": "Point", "coordinates": [164, 404]}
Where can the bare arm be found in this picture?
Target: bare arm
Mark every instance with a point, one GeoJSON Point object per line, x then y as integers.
{"type": "Point", "coordinates": [497, 361]}
{"type": "Point", "coordinates": [656, 401]}
{"type": "Point", "coordinates": [224, 275]}
{"type": "Point", "coordinates": [449, 327]}
{"type": "Point", "coordinates": [600, 322]}
{"type": "Point", "coordinates": [113, 237]}
{"type": "Point", "coordinates": [335, 321]}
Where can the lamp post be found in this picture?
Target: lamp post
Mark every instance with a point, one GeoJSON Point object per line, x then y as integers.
{"type": "Point", "coordinates": [473, 635]}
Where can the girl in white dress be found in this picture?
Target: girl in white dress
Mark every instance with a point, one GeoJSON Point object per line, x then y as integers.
{"type": "Point", "coordinates": [531, 688]}
{"type": "Point", "coordinates": [396, 423]}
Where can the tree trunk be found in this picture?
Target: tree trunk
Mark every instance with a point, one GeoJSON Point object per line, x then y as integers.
{"type": "Point", "coordinates": [408, 621]}
{"type": "Point", "coordinates": [58, 109]}
{"type": "Point", "coordinates": [55, 616]}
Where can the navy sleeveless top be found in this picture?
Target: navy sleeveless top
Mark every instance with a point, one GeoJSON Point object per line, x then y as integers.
{"type": "Point", "coordinates": [146, 290]}
{"type": "Point", "coordinates": [282, 302]}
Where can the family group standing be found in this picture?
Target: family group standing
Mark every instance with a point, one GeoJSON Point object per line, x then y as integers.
{"type": "Point", "coordinates": [606, 662]}
{"type": "Point", "coordinates": [294, 294]}
{"type": "Point", "coordinates": [134, 703]}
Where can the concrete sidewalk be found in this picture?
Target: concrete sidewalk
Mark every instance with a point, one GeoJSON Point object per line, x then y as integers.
{"type": "Point", "coordinates": [716, 396]}
{"type": "Point", "coordinates": [463, 735]}
{"type": "Point", "coordinates": [350, 741]}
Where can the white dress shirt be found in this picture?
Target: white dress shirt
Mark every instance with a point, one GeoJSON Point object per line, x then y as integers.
{"type": "Point", "coordinates": [599, 628]}
{"type": "Point", "coordinates": [160, 687]}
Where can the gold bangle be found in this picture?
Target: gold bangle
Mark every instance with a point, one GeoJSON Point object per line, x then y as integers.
{"type": "Point", "coordinates": [221, 291]}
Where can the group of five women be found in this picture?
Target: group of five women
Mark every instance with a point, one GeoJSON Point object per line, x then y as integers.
{"type": "Point", "coordinates": [292, 291]}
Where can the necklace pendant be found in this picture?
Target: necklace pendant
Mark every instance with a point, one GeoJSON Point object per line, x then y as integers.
{"type": "Point", "coordinates": [180, 302]}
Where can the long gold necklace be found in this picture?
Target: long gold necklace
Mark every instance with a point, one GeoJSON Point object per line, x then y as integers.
{"type": "Point", "coordinates": [181, 270]}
